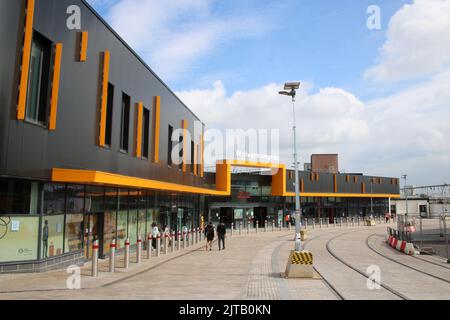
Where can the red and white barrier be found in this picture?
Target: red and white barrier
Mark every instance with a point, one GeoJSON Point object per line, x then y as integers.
{"type": "Point", "coordinates": [402, 246]}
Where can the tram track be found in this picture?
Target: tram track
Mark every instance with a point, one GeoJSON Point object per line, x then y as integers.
{"type": "Point", "coordinates": [403, 264]}
{"type": "Point", "coordinates": [341, 260]}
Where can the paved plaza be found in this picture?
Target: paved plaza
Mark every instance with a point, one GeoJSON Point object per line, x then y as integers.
{"type": "Point", "coordinates": [251, 268]}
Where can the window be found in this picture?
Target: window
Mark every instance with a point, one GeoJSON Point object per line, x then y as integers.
{"type": "Point", "coordinates": [125, 123]}
{"type": "Point", "coordinates": [192, 156]}
{"type": "Point", "coordinates": [109, 115]}
{"type": "Point", "coordinates": [38, 79]}
{"type": "Point", "coordinates": [145, 133]}
{"type": "Point", "coordinates": [170, 146]}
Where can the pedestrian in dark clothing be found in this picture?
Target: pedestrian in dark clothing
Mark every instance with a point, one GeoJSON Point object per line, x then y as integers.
{"type": "Point", "coordinates": [209, 233]}
{"type": "Point", "coordinates": [221, 231]}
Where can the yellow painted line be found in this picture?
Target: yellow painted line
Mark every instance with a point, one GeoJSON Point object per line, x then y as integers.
{"type": "Point", "coordinates": [26, 54]}
{"type": "Point", "coordinates": [55, 86]}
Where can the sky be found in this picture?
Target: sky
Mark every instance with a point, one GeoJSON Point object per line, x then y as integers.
{"type": "Point", "coordinates": [380, 98]}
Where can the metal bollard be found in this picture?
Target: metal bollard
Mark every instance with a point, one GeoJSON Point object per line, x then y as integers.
{"type": "Point", "coordinates": [188, 240]}
{"type": "Point", "coordinates": [306, 223]}
{"type": "Point", "coordinates": [280, 225]}
{"type": "Point", "coordinates": [328, 222]}
{"type": "Point", "coordinates": [198, 235]}
{"type": "Point", "coordinates": [166, 243]}
{"type": "Point", "coordinates": [257, 226]}
{"type": "Point", "coordinates": [112, 255]}
{"type": "Point", "coordinates": [289, 225]}
{"type": "Point", "coordinates": [192, 237]}
{"type": "Point", "coordinates": [149, 245]}
{"type": "Point", "coordinates": [179, 241]}
{"type": "Point", "coordinates": [320, 222]}
{"type": "Point", "coordinates": [232, 225]}
{"type": "Point", "coordinates": [340, 222]}
{"type": "Point", "coordinates": [248, 228]}
{"type": "Point", "coordinates": [95, 258]}
{"type": "Point", "coordinates": [139, 250]}
{"type": "Point", "coordinates": [273, 226]}
{"type": "Point", "coordinates": [265, 225]}
{"type": "Point", "coordinates": [313, 223]}
{"type": "Point", "coordinates": [158, 245]}
{"type": "Point", "coordinates": [173, 241]}
{"type": "Point", "coordinates": [346, 220]}
{"type": "Point", "coordinates": [359, 221]}
{"type": "Point", "coordinates": [184, 240]}
{"type": "Point", "coordinates": [240, 228]}
{"type": "Point", "coordinates": [126, 259]}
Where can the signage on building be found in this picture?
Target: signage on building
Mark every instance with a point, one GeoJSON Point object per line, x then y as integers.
{"type": "Point", "coordinates": [243, 195]}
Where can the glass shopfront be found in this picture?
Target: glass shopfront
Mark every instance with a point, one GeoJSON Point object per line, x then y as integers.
{"type": "Point", "coordinates": [44, 220]}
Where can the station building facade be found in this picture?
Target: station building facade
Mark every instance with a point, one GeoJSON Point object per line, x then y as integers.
{"type": "Point", "coordinates": [86, 148]}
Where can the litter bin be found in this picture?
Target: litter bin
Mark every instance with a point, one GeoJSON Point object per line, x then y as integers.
{"type": "Point", "coordinates": [303, 235]}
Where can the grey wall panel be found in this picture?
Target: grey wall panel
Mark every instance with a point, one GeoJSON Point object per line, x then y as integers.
{"type": "Point", "coordinates": [32, 150]}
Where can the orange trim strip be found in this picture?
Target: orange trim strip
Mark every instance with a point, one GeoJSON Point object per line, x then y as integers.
{"type": "Point", "coordinates": [184, 125]}
{"type": "Point", "coordinates": [104, 98]}
{"type": "Point", "coordinates": [84, 46]}
{"type": "Point", "coordinates": [202, 156]}
{"type": "Point", "coordinates": [140, 110]}
{"type": "Point", "coordinates": [26, 54]}
{"type": "Point", "coordinates": [55, 86]}
{"type": "Point", "coordinates": [342, 195]}
{"type": "Point", "coordinates": [363, 187]}
{"type": "Point", "coordinates": [157, 104]}
{"type": "Point", "coordinates": [104, 178]}
{"type": "Point", "coordinates": [335, 183]}
{"type": "Point", "coordinates": [195, 159]}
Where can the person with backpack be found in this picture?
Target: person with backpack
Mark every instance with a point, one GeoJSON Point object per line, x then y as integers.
{"type": "Point", "coordinates": [221, 231]}
{"type": "Point", "coordinates": [209, 233]}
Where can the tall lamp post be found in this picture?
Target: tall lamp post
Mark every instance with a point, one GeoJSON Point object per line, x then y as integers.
{"type": "Point", "coordinates": [290, 90]}
{"type": "Point", "coordinates": [406, 194]}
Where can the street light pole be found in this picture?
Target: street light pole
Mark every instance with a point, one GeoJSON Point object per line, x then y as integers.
{"type": "Point", "coordinates": [406, 194]}
{"type": "Point", "coordinates": [293, 86]}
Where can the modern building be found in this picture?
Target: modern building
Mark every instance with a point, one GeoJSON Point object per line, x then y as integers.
{"type": "Point", "coordinates": [88, 150]}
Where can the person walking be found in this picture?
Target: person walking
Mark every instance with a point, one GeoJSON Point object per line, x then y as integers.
{"type": "Point", "coordinates": [388, 217]}
{"type": "Point", "coordinates": [221, 231]}
{"type": "Point", "coordinates": [287, 219]}
{"type": "Point", "coordinates": [155, 233]}
{"type": "Point", "coordinates": [209, 233]}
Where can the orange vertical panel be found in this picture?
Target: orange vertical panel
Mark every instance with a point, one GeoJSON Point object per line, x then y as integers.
{"type": "Point", "coordinates": [335, 183]}
{"type": "Point", "coordinates": [195, 159]}
{"type": "Point", "coordinates": [202, 155]}
{"type": "Point", "coordinates": [55, 86]}
{"type": "Point", "coordinates": [302, 185]}
{"type": "Point", "coordinates": [363, 187]}
{"type": "Point", "coordinates": [157, 104]}
{"type": "Point", "coordinates": [104, 97]}
{"type": "Point", "coordinates": [84, 46]}
{"type": "Point", "coordinates": [140, 110]}
{"type": "Point", "coordinates": [26, 53]}
{"type": "Point", "coordinates": [184, 125]}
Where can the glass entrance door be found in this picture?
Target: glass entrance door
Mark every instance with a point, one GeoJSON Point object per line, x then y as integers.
{"type": "Point", "coordinates": [91, 233]}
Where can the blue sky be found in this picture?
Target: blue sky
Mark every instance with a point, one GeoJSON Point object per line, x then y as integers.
{"type": "Point", "coordinates": [326, 42]}
{"type": "Point", "coordinates": [377, 97]}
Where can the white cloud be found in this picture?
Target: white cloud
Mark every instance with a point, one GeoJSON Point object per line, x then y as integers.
{"type": "Point", "coordinates": [326, 120]}
{"type": "Point", "coordinates": [173, 36]}
{"type": "Point", "coordinates": [418, 42]}
{"type": "Point", "coordinates": [407, 132]}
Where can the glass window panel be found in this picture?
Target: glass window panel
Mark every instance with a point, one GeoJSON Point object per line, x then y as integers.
{"type": "Point", "coordinates": [19, 197]}
{"type": "Point", "coordinates": [75, 199]}
{"type": "Point", "coordinates": [52, 236]}
{"type": "Point", "coordinates": [94, 200]}
{"type": "Point", "coordinates": [54, 198]}
{"type": "Point", "coordinates": [74, 233]}
{"type": "Point", "coordinates": [18, 238]}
